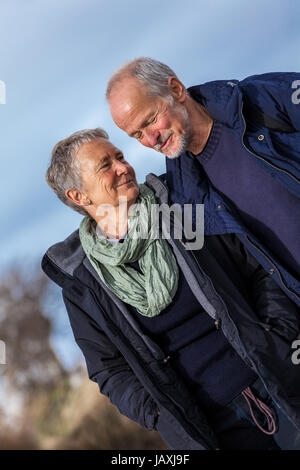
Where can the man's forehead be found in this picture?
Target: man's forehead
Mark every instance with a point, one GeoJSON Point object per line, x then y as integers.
{"type": "Point", "coordinates": [128, 86]}
{"type": "Point", "coordinates": [128, 94]}
{"type": "Point", "coordinates": [130, 105]}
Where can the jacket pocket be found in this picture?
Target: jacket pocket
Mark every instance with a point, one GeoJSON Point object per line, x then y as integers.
{"type": "Point", "coordinates": [173, 433]}
{"type": "Point", "coordinates": [280, 328]}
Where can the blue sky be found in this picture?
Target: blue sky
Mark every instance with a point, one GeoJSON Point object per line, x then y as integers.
{"type": "Point", "coordinates": [56, 58]}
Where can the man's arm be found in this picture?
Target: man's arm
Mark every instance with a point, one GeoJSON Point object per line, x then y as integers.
{"type": "Point", "coordinates": [273, 307]}
{"type": "Point", "coordinates": [276, 310]}
{"type": "Point", "coordinates": [110, 370]}
{"type": "Point", "coordinates": [276, 94]}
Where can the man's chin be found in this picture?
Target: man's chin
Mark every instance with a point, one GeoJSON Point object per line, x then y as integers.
{"type": "Point", "coordinates": [172, 153]}
{"type": "Point", "coordinates": [171, 156]}
{"type": "Point", "coordinates": [175, 153]}
{"type": "Point", "coordinates": [182, 147]}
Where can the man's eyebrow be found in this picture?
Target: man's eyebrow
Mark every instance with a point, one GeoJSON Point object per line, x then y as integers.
{"type": "Point", "coordinates": [143, 124]}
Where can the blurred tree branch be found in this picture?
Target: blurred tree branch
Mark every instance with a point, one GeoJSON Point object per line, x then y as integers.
{"type": "Point", "coordinates": [31, 361]}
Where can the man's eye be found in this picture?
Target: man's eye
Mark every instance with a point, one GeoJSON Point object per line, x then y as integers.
{"type": "Point", "coordinates": [151, 120]}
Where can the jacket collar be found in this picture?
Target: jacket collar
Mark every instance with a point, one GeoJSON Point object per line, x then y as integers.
{"type": "Point", "coordinates": [222, 99]}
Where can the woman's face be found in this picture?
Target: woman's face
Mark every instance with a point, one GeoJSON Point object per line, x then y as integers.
{"type": "Point", "coordinates": [106, 175]}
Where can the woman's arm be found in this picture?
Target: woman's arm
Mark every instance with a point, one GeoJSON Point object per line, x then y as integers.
{"type": "Point", "coordinates": [108, 367]}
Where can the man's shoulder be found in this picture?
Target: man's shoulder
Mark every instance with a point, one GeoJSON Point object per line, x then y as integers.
{"type": "Point", "coordinates": [271, 78]}
{"type": "Point", "coordinates": [212, 90]}
{"type": "Point", "coordinates": [224, 89]}
{"type": "Point", "coordinates": [272, 93]}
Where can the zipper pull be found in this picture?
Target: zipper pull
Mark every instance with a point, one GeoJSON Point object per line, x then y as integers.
{"type": "Point", "coordinates": [166, 359]}
{"type": "Point", "coordinates": [218, 323]}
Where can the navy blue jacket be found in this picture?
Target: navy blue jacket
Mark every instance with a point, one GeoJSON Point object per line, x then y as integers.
{"type": "Point", "coordinates": [131, 369]}
{"type": "Point", "coordinates": [278, 153]}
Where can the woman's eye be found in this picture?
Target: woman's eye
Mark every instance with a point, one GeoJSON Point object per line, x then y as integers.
{"type": "Point", "coordinates": [103, 167]}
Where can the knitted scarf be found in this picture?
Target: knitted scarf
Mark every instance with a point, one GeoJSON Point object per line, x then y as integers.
{"type": "Point", "coordinates": [153, 289]}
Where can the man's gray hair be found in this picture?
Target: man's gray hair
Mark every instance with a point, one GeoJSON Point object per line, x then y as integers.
{"type": "Point", "coordinates": [64, 171]}
{"type": "Point", "coordinates": [151, 72]}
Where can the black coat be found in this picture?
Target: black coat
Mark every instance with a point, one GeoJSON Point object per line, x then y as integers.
{"type": "Point", "coordinates": [257, 318]}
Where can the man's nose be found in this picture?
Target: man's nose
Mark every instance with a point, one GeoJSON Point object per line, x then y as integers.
{"type": "Point", "coordinates": [151, 137]}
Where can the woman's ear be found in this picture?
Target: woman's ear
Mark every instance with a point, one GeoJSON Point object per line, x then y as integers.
{"type": "Point", "coordinates": [77, 197]}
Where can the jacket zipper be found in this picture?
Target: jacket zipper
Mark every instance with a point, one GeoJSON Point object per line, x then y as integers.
{"type": "Point", "coordinates": [277, 168]}
{"type": "Point", "coordinates": [258, 156]}
{"type": "Point", "coordinates": [237, 333]}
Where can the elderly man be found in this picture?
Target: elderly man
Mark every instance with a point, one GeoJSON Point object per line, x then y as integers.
{"type": "Point", "coordinates": [231, 145]}
{"type": "Point", "coordinates": [189, 343]}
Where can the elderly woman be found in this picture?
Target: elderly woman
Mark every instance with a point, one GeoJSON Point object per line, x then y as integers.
{"type": "Point", "coordinates": [180, 341]}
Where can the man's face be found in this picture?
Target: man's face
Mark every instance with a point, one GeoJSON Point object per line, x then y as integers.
{"type": "Point", "coordinates": [155, 122]}
{"type": "Point", "coordinates": [105, 174]}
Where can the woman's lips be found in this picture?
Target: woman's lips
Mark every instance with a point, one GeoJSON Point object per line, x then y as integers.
{"type": "Point", "coordinates": [125, 183]}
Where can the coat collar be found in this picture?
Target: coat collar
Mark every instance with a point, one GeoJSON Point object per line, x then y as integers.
{"type": "Point", "coordinates": [222, 99]}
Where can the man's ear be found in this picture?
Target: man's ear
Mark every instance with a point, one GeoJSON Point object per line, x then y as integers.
{"type": "Point", "coordinates": [77, 197]}
{"type": "Point", "coordinates": [177, 89]}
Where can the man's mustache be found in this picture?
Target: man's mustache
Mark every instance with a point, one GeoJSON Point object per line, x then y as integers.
{"type": "Point", "coordinates": [162, 140]}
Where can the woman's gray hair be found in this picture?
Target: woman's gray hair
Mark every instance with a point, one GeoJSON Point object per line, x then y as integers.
{"type": "Point", "coordinates": [64, 171]}
{"type": "Point", "coordinates": [151, 72]}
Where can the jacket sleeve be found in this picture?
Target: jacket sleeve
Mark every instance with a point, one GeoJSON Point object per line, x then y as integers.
{"type": "Point", "coordinates": [276, 94]}
{"type": "Point", "coordinates": [274, 308]}
{"type": "Point", "coordinates": [108, 367]}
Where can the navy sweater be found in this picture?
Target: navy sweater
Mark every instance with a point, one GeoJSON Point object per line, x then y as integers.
{"type": "Point", "coordinates": [266, 207]}
{"type": "Point", "coordinates": [199, 351]}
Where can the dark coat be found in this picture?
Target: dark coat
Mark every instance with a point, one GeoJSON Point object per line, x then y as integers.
{"type": "Point", "coordinates": [132, 370]}
{"type": "Point", "coordinates": [277, 152]}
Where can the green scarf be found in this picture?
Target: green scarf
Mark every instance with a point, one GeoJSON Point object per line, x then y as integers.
{"type": "Point", "coordinates": [150, 291]}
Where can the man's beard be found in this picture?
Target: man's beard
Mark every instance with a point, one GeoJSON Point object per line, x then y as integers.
{"type": "Point", "coordinates": [183, 140]}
